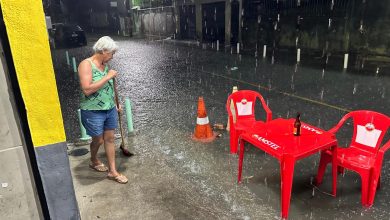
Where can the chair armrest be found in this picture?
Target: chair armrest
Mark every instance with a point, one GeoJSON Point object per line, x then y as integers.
{"type": "Point", "coordinates": [377, 166]}
{"type": "Point", "coordinates": [339, 124]}
{"type": "Point", "coordinates": [385, 147]}
{"type": "Point", "coordinates": [267, 110]}
{"type": "Point", "coordinates": [268, 113]}
{"type": "Point", "coordinates": [379, 158]}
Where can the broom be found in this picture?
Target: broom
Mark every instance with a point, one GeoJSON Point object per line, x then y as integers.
{"type": "Point", "coordinates": [125, 151]}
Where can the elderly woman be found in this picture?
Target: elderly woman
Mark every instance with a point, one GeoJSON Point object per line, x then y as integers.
{"type": "Point", "coordinates": [98, 107]}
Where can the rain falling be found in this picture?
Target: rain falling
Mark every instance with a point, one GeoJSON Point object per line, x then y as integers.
{"type": "Point", "coordinates": [320, 58]}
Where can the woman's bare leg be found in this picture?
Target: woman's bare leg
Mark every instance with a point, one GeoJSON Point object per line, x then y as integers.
{"type": "Point", "coordinates": [109, 146]}
{"type": "Point", "coordinates": [94, 147]}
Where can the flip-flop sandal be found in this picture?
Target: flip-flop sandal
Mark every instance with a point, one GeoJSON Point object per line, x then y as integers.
{"type": "Point", "coordinates": [100, 167]}
{"type": "Point", "coordinates": [119, 178]}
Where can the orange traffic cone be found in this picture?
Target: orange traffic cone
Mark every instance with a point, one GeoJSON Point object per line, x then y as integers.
{"type": "Point", "coordinates": [235, 89]}
{"type": "Point", "coordinates": [203, 131]}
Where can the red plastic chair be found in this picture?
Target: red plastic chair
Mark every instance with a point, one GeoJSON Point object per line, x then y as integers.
{"type": "Point", "coordinates": [244, 105]}
{"type": "Point", "coordinates": [365, 153]}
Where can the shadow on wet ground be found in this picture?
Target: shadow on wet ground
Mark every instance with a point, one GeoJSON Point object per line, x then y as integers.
{"type": "Point", "coordinates": [173, 177]}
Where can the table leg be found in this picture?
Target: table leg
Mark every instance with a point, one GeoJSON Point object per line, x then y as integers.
{"type": "Point", "coordinates": [240, 159]}
{"type": "Point", "coordinates": [287, 173]}
{"type": "Point", "coordinates": [334, 170]}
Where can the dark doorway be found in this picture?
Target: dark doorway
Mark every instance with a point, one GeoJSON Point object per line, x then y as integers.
{"type": "Point", "coordinates": [187, 22]}
{"type": "Point", "coordinates": [234, 22]}
{"type": "Point", "coordinates": [213, 22]}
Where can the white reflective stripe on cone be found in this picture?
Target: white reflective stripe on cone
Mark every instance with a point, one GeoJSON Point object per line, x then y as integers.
{"type": "Point", "coordinates": [202, 121]}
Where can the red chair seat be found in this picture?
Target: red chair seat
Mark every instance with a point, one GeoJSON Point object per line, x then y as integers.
{"type": "Point", "coordinates": [245, 124]}
{"type": "Point", "coordinates": [354, 157]}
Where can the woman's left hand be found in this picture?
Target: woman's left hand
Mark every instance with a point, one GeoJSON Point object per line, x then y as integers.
{"type": "Point", "coordinates": [119, 108]}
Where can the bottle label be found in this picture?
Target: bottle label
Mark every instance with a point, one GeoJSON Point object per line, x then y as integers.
{"type": "Point", "coordinates": [295, 131]}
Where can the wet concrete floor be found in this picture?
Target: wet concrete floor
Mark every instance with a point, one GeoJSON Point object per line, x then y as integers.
{"type": "Point", "coordinates": [173, 177]}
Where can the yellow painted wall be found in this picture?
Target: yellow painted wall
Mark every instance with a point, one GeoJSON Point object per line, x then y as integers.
{"type": "Point", "coordinates": [27, 34]}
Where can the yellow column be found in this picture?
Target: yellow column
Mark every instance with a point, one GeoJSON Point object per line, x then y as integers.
{"type": "Point", "coordinates": [27, 34]}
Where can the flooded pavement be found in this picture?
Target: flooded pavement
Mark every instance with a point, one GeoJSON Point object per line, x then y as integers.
{"type": "Point", "coordinates": [173, 177]}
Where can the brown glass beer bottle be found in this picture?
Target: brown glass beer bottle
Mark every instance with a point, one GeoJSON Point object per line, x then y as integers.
{"type": "Point", "coordinates": [297, 125]}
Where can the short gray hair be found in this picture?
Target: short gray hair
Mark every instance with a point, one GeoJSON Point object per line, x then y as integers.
{"type": "Point", "coordinates": [105, 43]}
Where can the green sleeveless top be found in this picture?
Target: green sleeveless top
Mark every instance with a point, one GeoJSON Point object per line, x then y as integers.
{"type": "Point", "coordinates": [103, 99]}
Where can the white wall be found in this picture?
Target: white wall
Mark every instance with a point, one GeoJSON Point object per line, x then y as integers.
{"type": "Point", "coordinates": [17, 197]}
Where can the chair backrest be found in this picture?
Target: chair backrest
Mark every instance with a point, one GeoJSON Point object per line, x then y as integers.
{"type": "Point", "coordinates": [244, 104]}
{"type": "Point", "coordinates": [369, 129]}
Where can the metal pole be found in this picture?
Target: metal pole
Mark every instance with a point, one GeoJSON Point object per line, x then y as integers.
{"type": "Point", "coordinates": [345, 61]}
{"type": "Point", "coordinates": [74, 64]}
{"type": "Point", "coordinates": [129, 116]}
{"type": "Point", "coordinates": [67, 58]}
{"type": "Point", "coordinates": [84, 136]}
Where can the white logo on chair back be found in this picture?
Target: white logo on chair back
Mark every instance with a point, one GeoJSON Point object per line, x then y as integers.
{"type": "Point", "coordinates": [367, 135]}
{"type": "Point", "coordinates": [244, 107]}
{"type": "Point", "coordinates": [311, 129]}
{"type": "Point", "coordinates": [266, 142]}
{"type": "Point", "coordinates": [370, 126]}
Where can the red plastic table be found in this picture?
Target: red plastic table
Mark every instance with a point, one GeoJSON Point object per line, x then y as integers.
{"type": "Point", "coordinates": [276, 138]}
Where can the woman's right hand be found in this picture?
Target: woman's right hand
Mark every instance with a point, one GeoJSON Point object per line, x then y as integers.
{"type": "Point", "coordinates": [112, 74]}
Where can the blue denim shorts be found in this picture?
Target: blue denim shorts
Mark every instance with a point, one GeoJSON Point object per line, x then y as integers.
{"type": "Point", "coordinates": [98, 121]}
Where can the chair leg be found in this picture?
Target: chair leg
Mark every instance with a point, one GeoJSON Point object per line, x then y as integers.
{"type": "Point", "coordinates": [365, 189]}
{"type": "Point", "coordinates": [233, 141]}
{"type": "Point", "coordinates": [325, 159]}
{"type": "Point", "coordinates": [374, 185]}
{"type": "Point", "coordinates": [240, 160]}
